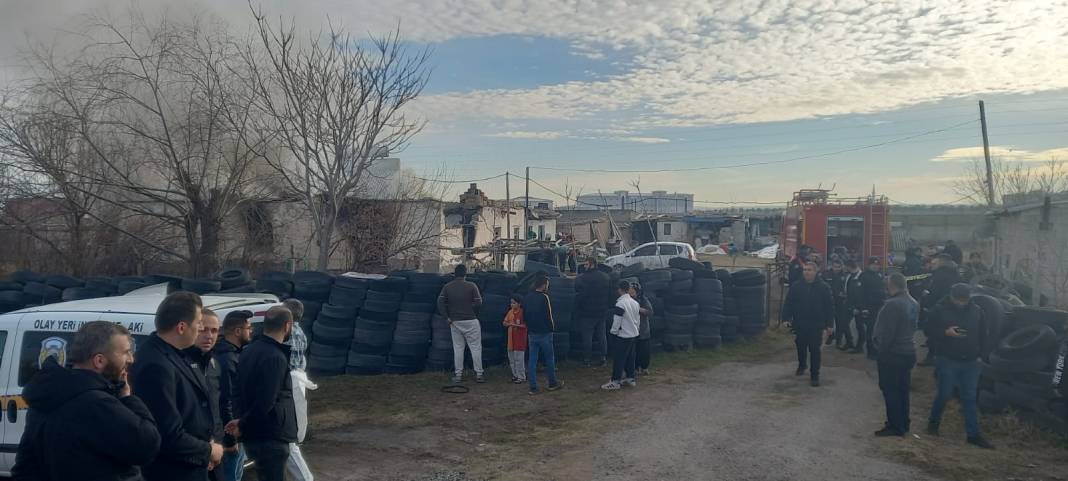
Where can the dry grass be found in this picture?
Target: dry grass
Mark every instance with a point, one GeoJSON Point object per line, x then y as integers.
{"type": "Point", "coordinates": [1023, 451]}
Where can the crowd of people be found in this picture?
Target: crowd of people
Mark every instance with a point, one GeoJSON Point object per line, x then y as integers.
{"type": "Point", "coordinates": [613, 321]}
{"type": "Point", "coordinates": [930, 293]}
{"type": "Point", "coordinates": [200, 397]}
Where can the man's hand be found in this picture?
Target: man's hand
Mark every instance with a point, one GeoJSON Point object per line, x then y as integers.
{"type": "Point", "coordinates": [233, 428]}
{"type": "Point", "coordinates": [216, 455]}
{"type": "Point", "coordinates": [125, 390]}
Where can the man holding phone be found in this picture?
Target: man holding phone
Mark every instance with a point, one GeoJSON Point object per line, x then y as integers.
{"type": "Point", "coordinates": [959, 332]}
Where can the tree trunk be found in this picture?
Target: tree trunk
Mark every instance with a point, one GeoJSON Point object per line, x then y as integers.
{"type": "Point", "coordinates": [208, 260]}
{"type": "Point", "coordinates": [326, 234]}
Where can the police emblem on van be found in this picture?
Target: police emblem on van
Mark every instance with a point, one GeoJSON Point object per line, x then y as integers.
{"type": "Point", "coordinates": [53, 347]}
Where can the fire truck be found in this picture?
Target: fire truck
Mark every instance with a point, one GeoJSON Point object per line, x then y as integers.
{"type": "Point", "coordinates": [824, 222]}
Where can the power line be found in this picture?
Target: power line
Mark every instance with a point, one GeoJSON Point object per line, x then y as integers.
{"type": "Point", "coordinates": [770, 162]}
{"type": "Point", "coordinates": [466, 181]}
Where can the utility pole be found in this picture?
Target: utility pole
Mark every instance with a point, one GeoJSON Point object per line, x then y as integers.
{"type": "Point", "coordinates": [507, 219]}
{"type": "Point", "coordinates": [526, 209]}
{"type": "Point", "coordinates": [986, 154]}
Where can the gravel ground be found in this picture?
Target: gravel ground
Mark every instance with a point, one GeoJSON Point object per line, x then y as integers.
{"type": "Point", "coordinates": [758, 422]}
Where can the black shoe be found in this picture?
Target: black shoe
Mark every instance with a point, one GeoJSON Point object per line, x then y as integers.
{"type": "Point", "coordinates": [800, 371]}
{"type": "Point", "coordinates": [815, 382]}
{"type": "Point", "coordinates": [932, 429]}
{"type": "Point", "coordinates": [980, 442]}
{"type": "Point", "coordinates": [888, 432]}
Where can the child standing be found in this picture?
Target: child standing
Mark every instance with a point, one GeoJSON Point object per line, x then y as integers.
{"type": "Point", "coordinates": [517, 340]}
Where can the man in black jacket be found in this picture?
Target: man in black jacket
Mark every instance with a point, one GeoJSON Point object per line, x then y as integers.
{"type": "Point", "coordinates": [176, 394]}
{"type": "Point", "coordinates": [593, 292]}
{"type": "Point", "coordinates": [836, 278]}
{"type": "Point", "coordinates": [84, 423]}
{"type": "Point", "coordinates": [957, 327]}
{"type": "Point", "coordinates": [809, 308]}
{"type": "Point", "coordinates": [944, 276]}
{"type": "Point", "coordinates": [200, 355]}
{"type": "Point", "coordinates": [873, 294]}
{"type": "Point", "coordinates": [538, 315]}
{"type": "Point", "coordinates": [266, 417]}
{"type": "Point", "coordinates": [893, 336]}
{"type": "Point", "coordinates": [237, 333]}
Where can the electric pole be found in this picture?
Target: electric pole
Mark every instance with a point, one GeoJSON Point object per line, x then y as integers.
{"type": "Point", "coordinates": [986, 154]}
{"type": "Point", "coordinates": [507, 218]}
{"type": "Point", "coordinates": [526, 209]}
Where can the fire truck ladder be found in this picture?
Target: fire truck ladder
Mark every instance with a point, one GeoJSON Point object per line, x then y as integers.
{"type": "Point", "coordinates": [877, 233]}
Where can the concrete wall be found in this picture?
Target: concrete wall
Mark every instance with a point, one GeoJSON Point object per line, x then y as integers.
{"type": "Point", "coordinates": [1034, 255]}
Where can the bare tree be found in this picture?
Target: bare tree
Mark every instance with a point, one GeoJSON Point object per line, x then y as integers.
{"type": "Point", "coordinates": [336, 105]}
{"type": "Point", "coordinates": [159, 105]}
{"type": "Point", "coordinates": [1010, 178]}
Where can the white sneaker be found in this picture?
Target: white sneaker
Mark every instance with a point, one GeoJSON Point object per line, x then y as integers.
{"type": "Point", "coordinates": [611, 386]}
{"type": "Point", "coordinates": [630, 382]}
{"type": "Point", "coordinates": [457, 379]}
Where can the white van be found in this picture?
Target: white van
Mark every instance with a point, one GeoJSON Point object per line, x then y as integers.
{"type": "Point", "coordinates": [652, 255]}
{"type": "Point", "coordinates": [29, 336]}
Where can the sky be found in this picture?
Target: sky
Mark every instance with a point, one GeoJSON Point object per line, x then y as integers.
{"type": "Point", "coordinates": [734, 101]}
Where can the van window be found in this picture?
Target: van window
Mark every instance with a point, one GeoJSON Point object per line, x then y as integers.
{"type": "Point", "coordinates": [649, 250]}
{"type": "Point", "coordinates": [39, 345]}
{"type": "Point", "coordinates": [669, 250]}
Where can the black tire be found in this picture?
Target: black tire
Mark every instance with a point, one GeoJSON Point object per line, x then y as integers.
{"type": "Point", "coordinates": [708, 286]}
{"type": "Point", "coordinates": [682, 309]}
{"type": "Point", "coordinates": [335, 336]}
{"type": "Point", "coordinates": [1030, 341]}
{"type": "Point", "coordinates": [282, 289]}
{"type": "Point", "coordinates": [201, 286]}
{"type": "Point", "coordinates": [340, 312]}
{"type": "Point", "coordinates": [26, 277]}
{"type": "Point", "coordinates": [349, 282]}
{"type": "Point", "coordinates": [388, 284]}
{"type": "Point", "coordinates": [381, 306]}
{"type": "Point", "coordinates": [327, 366]}
{"type": "Point", "coordinates": [1027, 315]}
{"type": "Point", "coordinates": [311, 290]}
{"type": "Point", "coordinates": [326, 350]}
{"type": "Point", "coordinates": [1020, 398]}
{"type": "Point", "coordinates": [64, 282]}
{"type": "Point", "coordinates": [231, 278]}
{"type": "Point", "coordinates": [377, 316]}
{"type": "Point", "coordinates": [47, 294]}
{"type": "Point", "coordinates": [79, 293]}
{"type": "Point", "coordinates": [356, 359]}
{"type": "Point", "coordinates": [11, 286]}
{"type": "Point", "coordinates": [682, 299]}
{"type": "Point", "coordinates": [388, 296]}
{"type": "Point", "coordinates": [1034, 363]}
{"type": "Point", "coordinates": [632, 270]}
{"type": "Point", "coordinates": [12, 298]}
{"type": "Point", "coordinates": [275, 276]}
{"type": "Point", "coordinates": [994, 316]}
{"type": "Point", "coordinates": [422, 318]}
{"type": "Point", "coordinates": [685, 264]}
{"type": "Point", "coordinates": [241, 289]}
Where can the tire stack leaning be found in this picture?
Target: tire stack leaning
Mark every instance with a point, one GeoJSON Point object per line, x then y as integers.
{"type": "Point", "coordinates": [412, 336]}
{"type": "Point", "coordinates": [749, 292]}
{"type": "Point", "coordinates": [709, 292]}
{"type": "Point", "coordinates": [1022, 371]}
{"type": "Point", "coordinates": [562, 297]}
{"type": "Point", "coordinates": [373, 334]}
{"type": "Point", "coordinates": [729, 330]}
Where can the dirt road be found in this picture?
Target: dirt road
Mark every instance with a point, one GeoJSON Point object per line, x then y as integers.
{"type": "Point", "coordinates": [758, 422]}
{"type": "Point", "coordinates": [736, 420]}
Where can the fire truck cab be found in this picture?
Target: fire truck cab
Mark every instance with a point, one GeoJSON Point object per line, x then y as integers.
{"type": "Point", "coordinates": [824, 222]}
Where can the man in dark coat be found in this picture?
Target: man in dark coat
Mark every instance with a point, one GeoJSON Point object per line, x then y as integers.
{"type": "Point", "coordinates": [202, 359]}
{"type": "Point", "coordinates": [873, 293]}
{"type": "Point", "coordinates": [236, 334]}
{"type": "Point", "coordinates": [836, 278]}
{"type": "Point", "coordinates": [266, 416]}
{"type": "Point", "coordinates": [177, 394]}
{"type": "Point", "coordinates": [809, 308]}
{"type": "Point", "coordinates": [956, 325]}
{"type": "Point", "coordinates": [894, 330]}
{"type": "Point", "coordinates": [593, 294]}
{"type": "Point", "coordinates": [954, 252]}
{"type": "Point", "coordinates": [84, 422]}
{"type": "Point", "coordinates": [944, 276]}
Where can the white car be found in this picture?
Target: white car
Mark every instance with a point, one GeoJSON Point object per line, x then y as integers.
{"type": "Point", "coordinates": [653, 255]}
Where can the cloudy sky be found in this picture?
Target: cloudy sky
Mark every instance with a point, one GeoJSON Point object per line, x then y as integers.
{"type": "Point", "coordinates": [734, 101]}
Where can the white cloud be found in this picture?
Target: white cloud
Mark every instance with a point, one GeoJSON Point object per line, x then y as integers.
{"type": "Point", "coordinates": [614, 135]}
{"type": "Point", "coordinates": [963, 154]}
{"type": "Point", "coordinates": [522, 134]}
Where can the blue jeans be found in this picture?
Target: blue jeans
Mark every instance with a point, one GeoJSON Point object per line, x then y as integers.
{"type": "Point", "coordinates": [963, 375]}
{"type": "Point", "coordinates": [233, 464]}
{"type": "Point", "coordinates": [541, 344]}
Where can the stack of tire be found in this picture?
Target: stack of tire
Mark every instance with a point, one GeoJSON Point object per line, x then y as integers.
{"type": "Point", "coordinates": [497, 289]}
{"type": "Point", "coordinates": [279, 283]}
{"type": "Point", "coordinates": [412, 336]}
{"type": "Point", "coordinates": [749, 290]}
{"type": "Point", "coordinates": [1022, 372]}
{"type": "Point", "coordinates": [235, 280]}
{"type": "Point", "coordinates": [562, 299]}
{"type": "Point", "coordinates": [681, 316]}
{"type": "Point", "coordinates": [440, 357]}
{"type": "Point", "coordinates": [329, 326]}
{"type": "Point", "coordinates": [657, 287]}
{"type": "Point", "coordinates": [729, 331]}
{"type": "Point", "coordinates": [709, 293]}
{"type": "Point", "coordinates": [375, 326]}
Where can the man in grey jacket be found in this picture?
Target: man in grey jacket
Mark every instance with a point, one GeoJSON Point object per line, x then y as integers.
{"type": "Point", "coordinates": [893, 340]}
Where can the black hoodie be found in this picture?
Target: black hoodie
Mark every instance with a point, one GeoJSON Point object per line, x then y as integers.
{"type": "Point", "coordinates": [77, 428]}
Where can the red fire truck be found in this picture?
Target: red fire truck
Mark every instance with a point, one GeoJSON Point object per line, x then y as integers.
{"type": "Point", "coordinates": [823, 221]}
